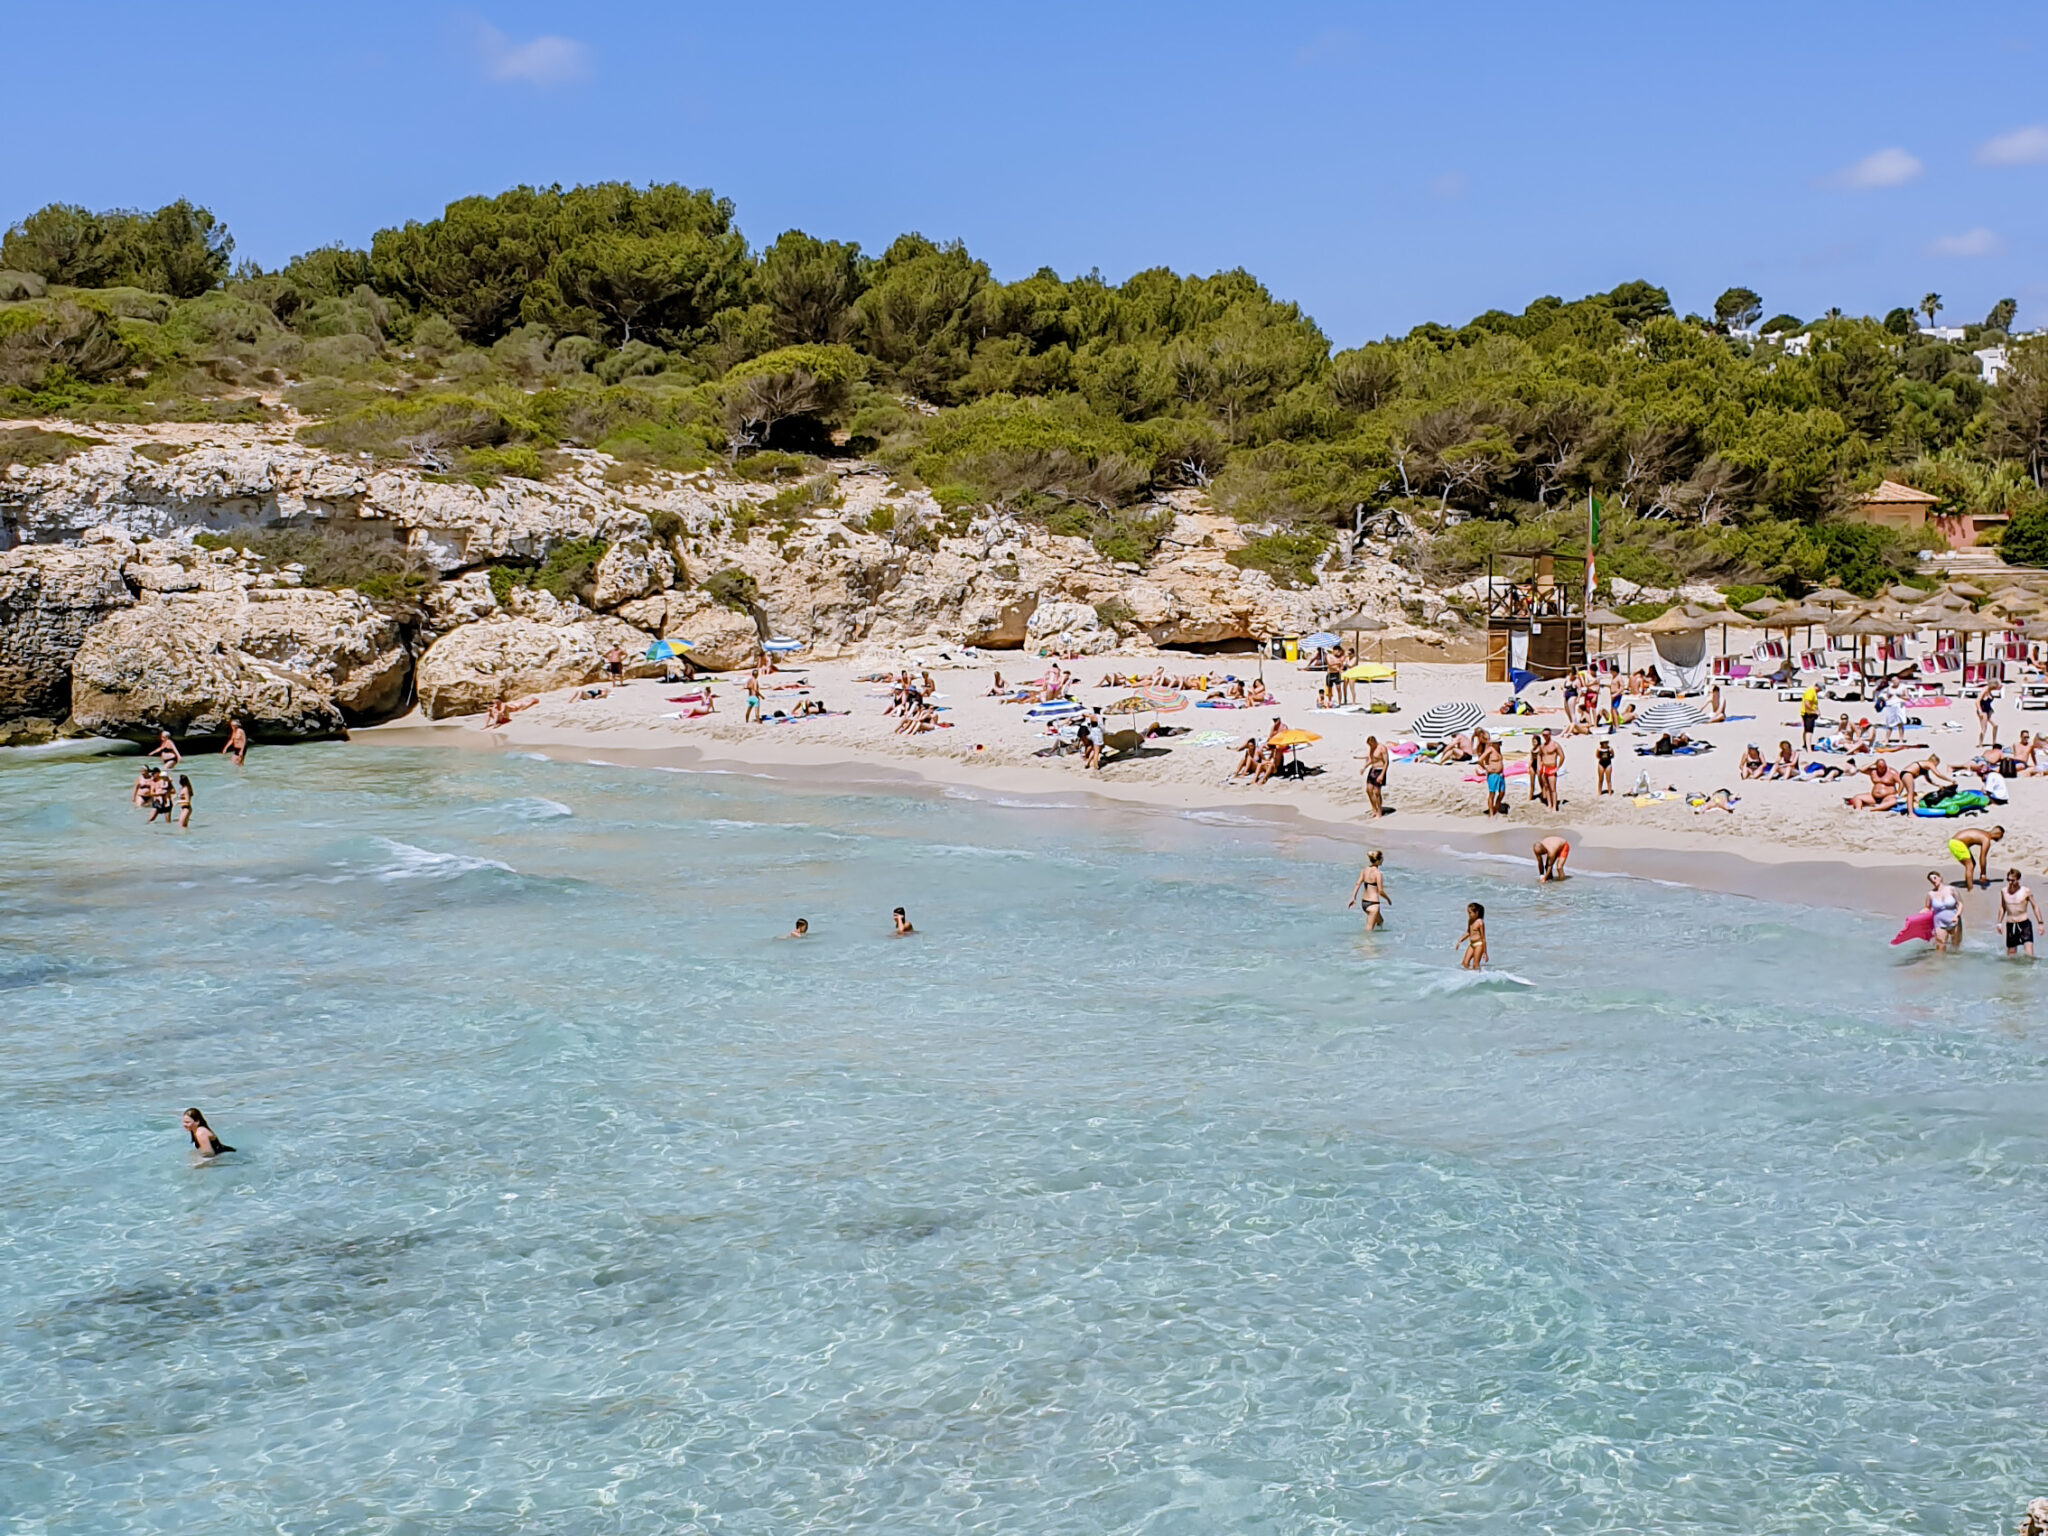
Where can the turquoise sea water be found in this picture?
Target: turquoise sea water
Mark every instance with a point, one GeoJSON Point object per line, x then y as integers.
{"type": "Point", "coordinates": [1137, 1193]}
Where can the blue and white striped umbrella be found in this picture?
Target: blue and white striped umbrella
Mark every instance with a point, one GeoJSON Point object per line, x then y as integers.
{"type": "Point", "coordinates": [1440, 722]}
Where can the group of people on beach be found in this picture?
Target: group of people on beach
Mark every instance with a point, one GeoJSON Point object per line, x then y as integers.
{"type": "Point", "coordinates": [1370, 896]}
{"type": "Point", "coordinates": [168, 800]}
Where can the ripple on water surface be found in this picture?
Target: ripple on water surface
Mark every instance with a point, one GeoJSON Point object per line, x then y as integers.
{"type": "Point", "coordinates": [1138, 1192]}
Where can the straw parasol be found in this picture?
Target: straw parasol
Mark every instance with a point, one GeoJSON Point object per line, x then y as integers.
{"type": "Point", "coordinates": [1676, 621]}
{"type": "Point", "coordinates": [1964, 589]}
{"type": "Point", "coordinates": [1763, 607]}
{"type": "Point", "coordinates": [1967, 624]}
{"type": "Point", "coordinates": [1904, 594]}
{"type": "Point", "coordinates": [1832, 596]}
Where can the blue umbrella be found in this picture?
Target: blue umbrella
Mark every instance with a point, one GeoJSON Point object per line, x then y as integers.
{"type": "Point", "coordinates": [780, 646]}
{"type": "Point", "coordinates": [1321, 640]}
{"type": "Point", "coordinates": [667, 650]}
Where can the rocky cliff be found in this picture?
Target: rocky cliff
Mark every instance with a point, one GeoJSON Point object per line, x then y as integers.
{"type": "Point", "coordinates": [104, 543]}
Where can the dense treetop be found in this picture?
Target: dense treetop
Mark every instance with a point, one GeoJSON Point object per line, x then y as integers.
{"type": "Point", "coordinates": [642, 322]}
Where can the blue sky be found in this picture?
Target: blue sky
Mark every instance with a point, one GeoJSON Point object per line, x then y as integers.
{"type": "Point", "coordinates": [1383, 165]}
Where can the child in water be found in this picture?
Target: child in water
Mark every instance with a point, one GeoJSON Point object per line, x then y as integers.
{"type": "Point", "coordinates": [1474, 942]}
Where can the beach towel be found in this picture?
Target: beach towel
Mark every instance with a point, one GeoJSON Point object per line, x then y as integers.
{"type": "Point", "coordinates": [1919, 926]}
{"type": "Point", "coordinates": [1212, 738]}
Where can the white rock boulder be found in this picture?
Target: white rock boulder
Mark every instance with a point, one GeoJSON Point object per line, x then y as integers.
{"type": "Point", "coordinates": [477, 665]}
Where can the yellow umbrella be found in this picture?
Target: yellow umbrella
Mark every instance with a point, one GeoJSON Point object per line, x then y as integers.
{"type": "Point", "coordinates": [1369, 672]}
{"type": "Point", "coordinates": [1292, 738]}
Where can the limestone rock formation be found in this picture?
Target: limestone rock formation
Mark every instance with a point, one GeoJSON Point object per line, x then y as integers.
{"type": "Point", "coordinates": [50, 596]}
{"type": "Point", "coordinates": [632, 569]}
{"type": "Point", "coordinates": [465, 600]}
{"type": "Point", "coordinates": [287, 663]}
{"type": "Point", "coordinates": [479, 664]}
{"type": "Point", "coordinates": [720, 639]}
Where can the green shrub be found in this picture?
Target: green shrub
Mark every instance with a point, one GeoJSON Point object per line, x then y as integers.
{"type": "Point", "coordinates": [882, 520]}
{"type": "Point", "coordinates": [569, 568]}
{"type": "Point", "coordinates": [1115, 612]}
{"type": "Point", "coordinates": [770, 464]}
{"type": "Point", "coordinates": [1288, 555]}
{"type": "Point", "coordinates": [521, 460]}
{"type": "Point", "coordinates": [30, 446]}
{"type": "Point", "coordinates": [373, 560]}
{"type": "Point", "coordinates": [733, 588]}
{"type": "Point", "coordinates": [2026, 538]}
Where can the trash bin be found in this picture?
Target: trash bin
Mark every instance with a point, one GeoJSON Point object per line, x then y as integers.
{"type": "Point", "coordinates": [1293, 654]}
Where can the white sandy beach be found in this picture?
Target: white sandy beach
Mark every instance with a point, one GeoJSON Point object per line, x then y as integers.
{"type": "Point", "coordinates": [989, 746]}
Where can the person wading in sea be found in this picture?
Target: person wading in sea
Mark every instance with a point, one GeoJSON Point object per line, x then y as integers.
{"type": "Point", "coordinates": [1371, 892]}
{"type": "Point", "coordinates": [2017, 911]}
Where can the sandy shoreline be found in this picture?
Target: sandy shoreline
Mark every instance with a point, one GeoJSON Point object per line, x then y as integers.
{"type": "Point", "coordinates": [1787, 841]}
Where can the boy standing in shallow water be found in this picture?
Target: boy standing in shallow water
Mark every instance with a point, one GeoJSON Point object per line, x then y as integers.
{"type": "Point", "coordinates": [1474, 942]}
{"type": "Point", "coordinates": [2016, 909]}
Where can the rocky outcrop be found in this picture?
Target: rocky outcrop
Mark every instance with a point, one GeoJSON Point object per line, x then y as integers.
{"type": "Point", "coordinates": [838, 576]}
{"type": "Point", "coordinates": [632, 570]}
{"type": "Point", "coordinates": [286, 663]}
{"type": "Point", "coordinates": [720, 639]}
{"type": "Point", "coordinates": [479, 664]}
{"type": "Point", "coordinates": [50, 597]}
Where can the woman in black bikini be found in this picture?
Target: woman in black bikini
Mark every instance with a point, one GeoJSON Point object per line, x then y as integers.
{"type": "Point", "coordinates": [202, 1135]}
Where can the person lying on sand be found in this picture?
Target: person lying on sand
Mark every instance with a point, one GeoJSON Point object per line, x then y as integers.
{"type": "Point", "coordinates": [1719, 800]}
{"type": "Point", "coordinates": [501, 713]}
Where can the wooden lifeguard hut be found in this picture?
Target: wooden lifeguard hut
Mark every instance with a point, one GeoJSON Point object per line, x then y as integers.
{"type": "Point", "coordinates": [1534, 624]}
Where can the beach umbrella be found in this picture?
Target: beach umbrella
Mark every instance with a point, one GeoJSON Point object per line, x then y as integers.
{"type": "Point", "coordinates": [1763, 607]}
{"type": "Point", "coordinates": [1904, 594]}
{"type": "Point", "coordinates": [1359, 623]}
{"type": "Point", "coordinates": [1292, 738]}
{"type": "Point", "coordinates": [667, 650]}
{"type": "Point", "coordinates": [1832, 596]}
{"type": "Point", "coordinates": [1369, 672]}
{"type": "Point", "coordinates": [1602, 620]}
{"type": "Point", "coordinates": [1321, 640]}
{"type": "Point", "coordinates": [1130, 706]}
{"type": "Point", "coordinates": [779, 646]}
{"type": "Point", "coordinates": [1058, 709]}
{"type": "Point", "coordinates": [1964, 589]}
{"type": "Point", "coordinates": [1676, 621]}
{"type": "Point", "coordinates": [1440, 722]}
{"type": "Point", "coordinates": [1670, 715]}
{"type": "Point", "coordinates": [1164, 700]}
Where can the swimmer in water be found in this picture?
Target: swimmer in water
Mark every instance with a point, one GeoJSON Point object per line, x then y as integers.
{"type": "Point", "coordinates": [802, 930]}
{"type": "Point", "coordinates": [1371, 892]}
{"type": "Point", "coordinates": [1551, 853]}
{"type": "Point", "coordinates": [166, 749]}
{"type": "Point", "coordinates": [1473, 943]}
{"type": "Point", "coordinates": [238, 743]}
{"type": "Point", "coordinates": [139, 795]}
{"type": "Point", "coordinates": [184, 801]}
{"type": "Point", "coordinates": [903, 928]}
{"type": "Point", "coordinates": [202, 1135]}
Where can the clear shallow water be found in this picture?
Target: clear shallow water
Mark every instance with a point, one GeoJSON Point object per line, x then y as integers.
{"type": "Point", "coordinates": [1137, 1194]}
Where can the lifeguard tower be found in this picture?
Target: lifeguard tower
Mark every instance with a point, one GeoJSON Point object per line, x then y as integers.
{"type": "Point", "coordinates": [1533, 624]}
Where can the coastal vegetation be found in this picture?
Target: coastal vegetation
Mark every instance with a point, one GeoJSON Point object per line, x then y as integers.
{"type": "Point", "coordinates": [641, 322]}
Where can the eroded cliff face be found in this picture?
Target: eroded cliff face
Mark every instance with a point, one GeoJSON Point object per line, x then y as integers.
{"type": "Point", "coordinates": [111, 529]}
